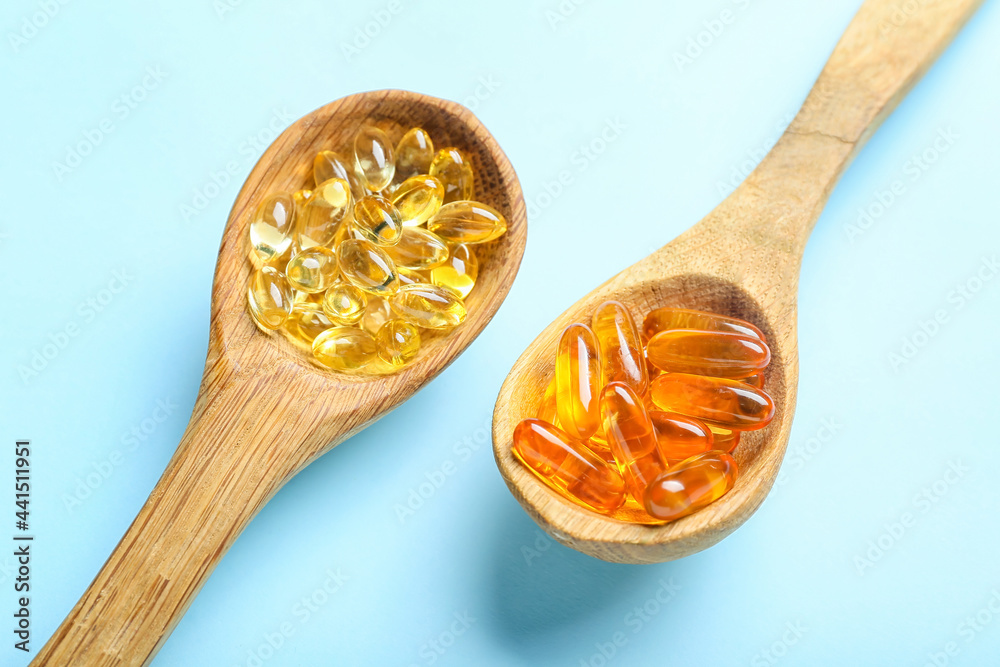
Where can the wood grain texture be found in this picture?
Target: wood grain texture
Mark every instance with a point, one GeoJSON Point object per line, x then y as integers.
{"type": "Point", "coordinates": [742, 259]}
{"type": "Point", "coordinates": [264, 412]}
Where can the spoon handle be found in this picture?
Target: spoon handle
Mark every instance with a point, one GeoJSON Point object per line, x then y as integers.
{"type": "Point", "coordinates": [223, 472]}
{"type": "Point", "coordinates": [886, 48]}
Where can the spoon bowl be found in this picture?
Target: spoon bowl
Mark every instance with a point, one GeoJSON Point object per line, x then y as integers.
{"type": "Point", "coordinates": [741, 260]}
{"type": "Point", "coordinates": [264, 411]}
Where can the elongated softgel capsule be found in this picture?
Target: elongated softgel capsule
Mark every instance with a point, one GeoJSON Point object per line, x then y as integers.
{"type": "Point", "coordinates": [377, 257]}
{"type": "Point", "coordinates": [663, 408]}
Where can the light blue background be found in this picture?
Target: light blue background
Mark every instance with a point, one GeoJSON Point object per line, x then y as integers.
{"type": "Point", "coordinates": [544, 88]}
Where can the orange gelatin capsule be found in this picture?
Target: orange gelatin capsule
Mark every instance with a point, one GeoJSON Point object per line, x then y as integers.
{"type": "Point", "coordinates": [755, 380]}
{"type": "Point", "coordinates": [725, 440]}
{"type": "Point", "coordinates": [727, 403]}
{"type": "Point", "coordinates": [621, 349]}
{"type": "Point", "coordinates": [664, 319]}
{"type": "Point", "coordinates": [680, 437]}
{"type": "Point", "coordinates": [568, 466]}
{"type": "Point", "coordinates": [547, 410]}
{"type": "Point", "coordinates": [578, 381]}
{"type": "Point", "coordinates": [716, 353]}
{"type": "Point", "coordinates": [631, 437]}
{"type": "Point", "coordinates": [691, 485]}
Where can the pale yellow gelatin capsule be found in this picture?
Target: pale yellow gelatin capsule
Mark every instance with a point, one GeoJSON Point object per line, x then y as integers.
{"type": "Point", "coordinates": [467, 222]}
{"type": "Point", "coordinates": [459, 272]}
{"type": "Point", "coordinates": [330, 204]}
{"type": "Point", "coordinates": [409, 276]}
{"type": "Point", "coordinates": [367, 267]}
{"type": "Point", "coordinates": [397, 342]}
{"type": "Point", "coordinates": [377, 312]}
{"type": "Point", "coordinates": [330, 164]}
{"type": "Point", "coordinates": [417, 199]}
{"type": "Point", "coordinates": [418, 250]}
{"type": "Point", "coordinates": [414, 153]}
{"type": "Point", "coordinates": [344, 348]}
{"type": "Point", "coordinates": [374, 158]}
{"type": "Point", "coordinates": [306, 322]}
{"type": "Point", "coordinates": [272, 227]}
{"type": "Point", "coordinates": [312, 270]}
{"type": "Point", "coordinates": [301, 198]}
{"type": "Point", "coordinates": [344, 303]}
{"type": "Point", "coordinates": [451, 166]}
{"type": "Point", "coordinates": [428, 306]}
{"type": "Point", "coordinates": [376, 219]}
{"type": "Point", "coordinates": [269, 298]}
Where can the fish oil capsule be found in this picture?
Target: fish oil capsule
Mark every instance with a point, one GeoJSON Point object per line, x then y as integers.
{"type": "Point", "coordinates": [724, 439]}
{"type": "Point", "coordinates": [418, 250]}
{"type": "Point", "coordinates": [417, 199]}
{"type": "Point", "coordinates": [451, 166]}
{"type": "Point", "coordinates": [269, 298]}
{"type": "Point", "coordinates": [344, 348]}
{"type": "Point", "coordinates": [664, 319]}
{"type": "Point", "coordinates": [367, 267]}
{"type": "Point", "coordinates": [621, 349]}
{"type": "Point", "coordinates": [397, 342]}
{"type": "Point", "coordinates": [716, 353]}
{"type": "Point", "coordinates": [755, 380]}
{"type": "Point", "coordinates": [315, 298]}
{"type": "Point", "coordinates": [568, 466]}
{"type": "Point", "coordinates": [312, 270]}
{"type": "Point", "coordinates": [376, 219]}
{"type": "Point", "coordinates": [374, 158]}
{"type": "Point", "coordinates": [330, 164]}
{"type": "Point", "coordinates": [306, 322]}
{"type": "Point", "coordinates": [377, 312]}
{"type": "Point", "coordinates": [428, 306]}
{"type": "Point", "coordinates": [631, 438]}
{"type": "Point", "coordinates": [680, 437]}
{"type": "Point", "coordinates": [330, 204]}
{"type": "Point", "coordinates": [272, 227]}
{"type": "Point", "coordinates": [414, 153]}
{"type": "Point", "coordinates": [301, 198]}
{"type": "Point", "coordinates": [727, 403]}
{"type": "Point", "coordinates": [409, 276]}
{"type": "Point", "coordinates": [578, 381]}
{"type": "Point", "coordinates": [459, 272]}
{"type": "Point", "coordinates": [691, 485]}
{"type": "Point", "coordinates": [344, 303]}
{"type": "Point", "coordinates": [547, 410]}
{"type": "Point", "coordinates": [467, 222]}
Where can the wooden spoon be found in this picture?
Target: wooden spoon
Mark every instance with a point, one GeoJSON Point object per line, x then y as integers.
{"type": "Point", "coordinates": [264, 412]}
{"type": "Point", "coordinates": [742, 259]}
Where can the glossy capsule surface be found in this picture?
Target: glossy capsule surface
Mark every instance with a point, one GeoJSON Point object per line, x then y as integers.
{"type": "Point", "coordinates": [377, 312]}
{"type": "Point", "coordinates": [680, 437]}
{"type": "Point", "coordinates": [367, 267]}
{"type": "Point", "coordinates": [376, 219]}
{"type": "Point", "coordinates": [331, 202]}
{"type": "Point", "coordinates": [459, 272]}
{"type": "Point", "coordinates": [269, 298]}
{"type": "Point", "coordinates": [374, 158]}
{"type": "Point", "coordinates": [663, 319]}
{"type": "Point", "coordinates": [312, 270]}
{"type": "Point", "coordinates": [716, 353]}
{"type": "Point", "coordinates": [568, 466]}
{"type": "Point", "coordinates": [428, 306]}
{"type": "Point", "coordinates": [330, 164]}
{"type": "Point", "coordinates": [417, 199]}
{"type": "Point", "coordinates": [397, 343]}
{"type": "Point", "coordinates": [273, 227]}
{"type": "Point", "coordinates": [621, 348]}
{"type": "Point", "coordinates": [306, 322]}
{"type": "Point", "coordinates": [451, 166]}
{"type": "Point", "coordinates": [467, 222]}
{"type": "Point", "coordinates": [344, 348]}
{"type": "Point", "coordinates": [578, 381]}
{"type": "Point", "coordinates": [631, 438]}
{"type": "Point", "coordinates": [691, 485]}
{"type": "Point", "coordinates": [414, 153]}
{"type": "Point", "coordinates": [344, 303]}
{"type": "Point", "coordinates": [724, 439]}
{"type": "Point", "coordinates": [547, 410]}
{"type": "Point", "coordinates": [418, 250]}
{"type": "Point", "coordinates": [727, 403]}
{"type": "Point", "coordinates": [755, 380]}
